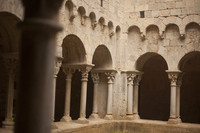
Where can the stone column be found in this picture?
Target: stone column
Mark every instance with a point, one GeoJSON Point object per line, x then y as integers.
{"type": "Point", "coordinates": [84, 80]}
{"type": "Point", "coordinates": [11, 64]}
{"type": "Point", "coordinates": [130, 78]}
{"type": "Point", "coordinates": [69, 72]}
{"type": "Point", "coordinates": [95, 78]}
{"type": "Point", "coordinates": [37, 56]}
{"type": "Point", "coordinates": [135, 95]}
{"type": "Point", "coordinates": [173, 76]}
{"type": "Point", "coordinates": [179, 83]}
{"type": "Point", "coordinates": [110, 77]}
{"type": "Point", "coordinates": [57, 66]}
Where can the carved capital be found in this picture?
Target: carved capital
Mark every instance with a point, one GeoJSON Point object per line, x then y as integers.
{"type": "Point", "coordinates": [95, 77]}
{"type": "Point", "coordinates": [110, 76]}
{"type": "Point", "coordinates": [10, 62]}
{"type": "Point", "coordinates": [130, 78]}
{"type": "Point", "coordinates": [137, 78]}
{"type": "Point", "coordinates": [173, 77]}
{"type": "Point", "coordinates": [58, 64]}
{"type": "Point", "coordinates": [84, 72]}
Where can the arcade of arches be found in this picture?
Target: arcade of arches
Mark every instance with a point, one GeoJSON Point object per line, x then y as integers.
{"type": "Point", "coordinates": [99, 79]}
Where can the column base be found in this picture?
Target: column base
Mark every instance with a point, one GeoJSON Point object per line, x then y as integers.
{"type": "Point", "coordinates": [66, 118]}
{"type": "Point", "coordinates": [129, 117]}
{"type": "Point", "coordinates": [94, 116]}
{"type": "Point", "coordinates": [54, 126]}
{"type": "Point", "coordinates": [8, 124]}
{"type": "Point", "coordinates": [108, 117]}
{"type": "Point", "coordinates": [172, 121]}
{"type": "Point", "coordinates": [179, 120]}
{"type": "Point", "coordinates": [82, 120]}
{"type": "Point", "coordinates": [136, 117]}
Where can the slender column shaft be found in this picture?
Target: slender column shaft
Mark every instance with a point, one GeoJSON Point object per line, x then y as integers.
{"type": "Point", "coordinates": [130, 94]}
{"type": "Point", "coordinates": [178, 102]}
{"type": "Point", "coordinates": [68, 94]}
{"type": "Point", "coordinates": [173, 76]}
{"type": "Point", "coordinates": [135, 101]}
{"type": "Point", "coordinates": [10, 61]}
{"type": "Point", "coordinates": [69, 74]}
{"type": "Point", "coordinates": [83, 98]}
{"type": "Point", "coordinates": [173, 102]}
{"type": "Point", "coordinates": [95, 107]}
{"type": "Point", "coordinates": [53, 96]}
{"type": "Point", "coordinates": [10, 98]}
{"type": "Point", "coordinates": [95, 78]}
{"type": "Point", "coordinates": [110, 77]}
{"type": "Point", "coordinates": [109, 101]}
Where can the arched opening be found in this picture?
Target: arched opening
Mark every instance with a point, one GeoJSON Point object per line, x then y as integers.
{"type": "Point", "coordinates": [9, 44]}
{"type": "Point", "coordinates": [102, 58]}
{"type": "Point", "coordinates": [190, 88]}
{"type": "Point", "coordinates": [154, 89]}
{"type": "Point", "coordinates": [103, 61]}
{"type": "Point", "coordinates": [73, 54]}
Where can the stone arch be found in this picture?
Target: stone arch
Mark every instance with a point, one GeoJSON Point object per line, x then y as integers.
{"type": "Point", "coordinates": [9, 33]}
{"type": "Point", "coordinates": [82, 11]}
{"type": "Point", "coordinates": [118, 29]}
{"type": "Point", "coordinates": [190, 88]}
{"type": "Point", "coordinates": [102, 58]}
{"type": "Point", "coordinates": [144, 58]}
{"type": "Point", "coordinates": [192, 36]}
{"type": "Point", "coordinates": [154, 87]}
{"type": "Point", "coordinates": [9, 48]}
{"type": "Point", "coordinates": [186, 58]}
{"type": "Point", "coordinates": [110, 25]}
{"type": "Point", "coordinates": [172, 32]}
{"type": "Point", "coordinates": [152, 37]}
{"type": "Point", "coordinates": [73, 50]}
{"type": "Point", "coordinates": [102, 20]}
{"type": "Point", "coordinates": [92, 16]}
{"type": "Point", "coordinates": [134, 34]}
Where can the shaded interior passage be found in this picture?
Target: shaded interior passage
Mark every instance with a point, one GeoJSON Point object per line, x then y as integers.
{"type": "Point", "coordinates": [190, 90]}
{"type": "Point", "coordinates": [154, 91]}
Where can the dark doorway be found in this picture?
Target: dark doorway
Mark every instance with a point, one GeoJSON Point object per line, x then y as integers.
{"type": "Point", "coordinates": [154, 91]}
{"type": "Point", "coordinates": [190, 90]}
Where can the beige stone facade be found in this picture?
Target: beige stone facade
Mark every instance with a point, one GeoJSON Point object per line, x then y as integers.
{"type": "Point", "coordinates": [105, 50]}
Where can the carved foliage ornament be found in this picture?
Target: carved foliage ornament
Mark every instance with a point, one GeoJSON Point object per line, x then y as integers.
{"type": "Point", "coordinates": [95, 77]}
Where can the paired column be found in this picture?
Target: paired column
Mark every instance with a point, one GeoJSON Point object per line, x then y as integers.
{"type": "Point", "coordinates": [135, 94]}
{"type": "Point", "coordinates": [11, 64]}
{"type": "Point", "coordinates": [179, 83]}
{"type": "Point", "coordinates": [130, 78]}
{"type": "Point", "coordinates": [173, 76]}
{"type": "Point", "coordinates": [84, 80]}
{"type": "Point", "coordinates": [69, 73]}
{"type": "Point", "coordinates": [57, 66]}
{"type": "Point", "coordinates": [95, 78]}
{"type": "Point", "coordinates": [110, 77]}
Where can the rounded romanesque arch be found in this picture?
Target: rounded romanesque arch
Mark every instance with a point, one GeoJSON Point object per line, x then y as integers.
{"type": "Point", "coordinates": [190, 88]}
{"type": "Point", "coordinates": [154, 87]}
{"type": "Point", "coordinates": [9, 33]}
{"type": "Point", "coordinates": [102, 58]}
{"type": "Point", "coordinates": [73, 50]}
{"type": "Point", "coordinates": [9, 48]}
